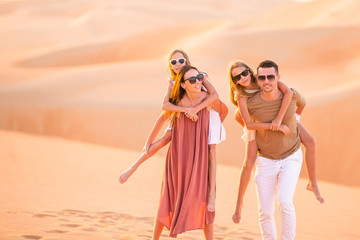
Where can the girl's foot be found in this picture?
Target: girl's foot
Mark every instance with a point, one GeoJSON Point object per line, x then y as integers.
{"type": "Point", "coordinates": [124, 177]}
{"type": "Point", "coordinates": [315, 190]}
{"type": "Point", "coordinates": [211, 202]}
{"type": "Point", "coordinates": [236, 217]}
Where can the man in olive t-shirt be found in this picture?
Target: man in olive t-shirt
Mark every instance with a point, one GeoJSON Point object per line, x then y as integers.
{"type": "Point", "coordinates": [279, 158]}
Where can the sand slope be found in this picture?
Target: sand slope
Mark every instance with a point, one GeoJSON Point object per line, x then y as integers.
{"type": "Point", "coordinates": [59, 189]}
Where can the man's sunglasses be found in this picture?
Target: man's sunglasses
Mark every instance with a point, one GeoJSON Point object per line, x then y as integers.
{"type": "Point", "coordinates": [243, 73]}
{"type": "Point", "coordinates": [192, 80]}
{"type": "Point", "coordinates": [180, 60]}
{"type": "Point", "coordinates": [270, 77]}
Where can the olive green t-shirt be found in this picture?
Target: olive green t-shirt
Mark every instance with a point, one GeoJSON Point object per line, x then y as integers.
{"type": "Point", "coordinates": [275, 144]}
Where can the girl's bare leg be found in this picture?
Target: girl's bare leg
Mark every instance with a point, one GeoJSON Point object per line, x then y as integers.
{"type": "Point", "coordinates": [158, 227]}
{"type": "Point", "coordinates": [209, 231]}
{"type": "Point", "coordinates": [309, 143]}
{"type": "Point", "coordinates": [245, 175]}
{"type": "Point", "coordinates": [212, 178]}
{"type": "Point", "coordinates": [154, 148]}
{"type": "Point", "coordinates": [238, 117]}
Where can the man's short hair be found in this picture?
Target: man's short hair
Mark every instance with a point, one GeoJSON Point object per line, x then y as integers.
{"type": "Point", "coordinates": [268, 64]}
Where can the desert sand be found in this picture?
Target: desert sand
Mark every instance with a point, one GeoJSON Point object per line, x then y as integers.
{"type": "Point", "coordinates": [81, 83]}
{"type": "Point", "coordinates": [74, 194]}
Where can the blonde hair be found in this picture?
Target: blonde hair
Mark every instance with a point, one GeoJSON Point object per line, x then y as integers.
{"type": "Point", "coordinates": [237, 87]}
{"type": "Point", "coordinates": [170, 70]}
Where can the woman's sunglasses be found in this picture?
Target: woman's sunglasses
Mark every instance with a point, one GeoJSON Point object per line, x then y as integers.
{"type": "Point", "coordinates": [243, 73]}
{"type": "Point", "coordinates": [192, 80]}
{"type": "Point", "coordinates": [180, 60]}
{"type": "Point", "coordinates": [270, 77]}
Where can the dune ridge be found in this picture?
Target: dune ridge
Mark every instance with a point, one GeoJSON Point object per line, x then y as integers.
{"type": "Point", "coordinates": [131, 48]}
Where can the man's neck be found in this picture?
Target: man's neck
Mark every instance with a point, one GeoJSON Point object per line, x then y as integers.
{"type": "Point", "coordinates": [273, 95]}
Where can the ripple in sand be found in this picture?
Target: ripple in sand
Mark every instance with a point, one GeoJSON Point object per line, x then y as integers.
{"type": "Point", "coordinates": [56, 231]}
{"type": "Point", "coordinates": [90, 229]}
{"type": "Point", "coordinates": [108, 222]}
{"type": "Point", "coordinates": [40, 215]}
{"type": "Point", "coordinates": [71, 225]}
{"type": "Point", "coordinates": [72, 211]}
{"type": "Point", "coordinates": [31, 237]}
{"type": "Point", "coordinates": [64, 220]}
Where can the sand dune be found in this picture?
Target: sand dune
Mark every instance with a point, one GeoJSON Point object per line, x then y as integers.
{"type": "Point", "coordinates": [131, 48]}
{"type": "Point", "coordinates": [310, 14]}
{"type": "Point", "coordinates": [56, 188]}
{"type": "Point", "coordinates": [95, 71]}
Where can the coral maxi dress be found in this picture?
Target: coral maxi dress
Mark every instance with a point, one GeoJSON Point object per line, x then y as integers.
{"type": "Point", "coordinates": [185, 183]}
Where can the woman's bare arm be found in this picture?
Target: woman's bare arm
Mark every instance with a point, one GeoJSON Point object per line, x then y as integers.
{"type": "Point", "coordinates": [221, 108]}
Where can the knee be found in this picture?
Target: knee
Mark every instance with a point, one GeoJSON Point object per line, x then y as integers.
{"type": "Point", "coordinates": [212, 148]}
{"type": "Point", "coordinates": [249, 162]}
{"type": "Point", "coordinates": [238, 117]}
{"type": "Point", "coordinates": [212, 153]}
{"type": "Point", "coordinates": [286, 206]}
{"type": "Point", "coordinates": [265, 214]}
{"type": "Point", "coordinates": [166, 138]}
{"type": "Point", "coordinates": [310, 143]}
{"type": "Point", "coordinates": [248, 166]}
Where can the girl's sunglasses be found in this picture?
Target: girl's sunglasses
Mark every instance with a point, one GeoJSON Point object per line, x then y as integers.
{"type": "Point", "coordinates": [243, 73]}
{"type": "Point", "coordinates": [180, 60]}
{"type": "Point", "coordinates": [192, 80]}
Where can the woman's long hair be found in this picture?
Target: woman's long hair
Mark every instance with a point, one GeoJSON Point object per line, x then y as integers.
{"type": "Point", "coordinates": [171, 72]}
{"type": "Point", "coordinates": [237, 87]}
{"type": "Point", "coordinates": [178, 91]}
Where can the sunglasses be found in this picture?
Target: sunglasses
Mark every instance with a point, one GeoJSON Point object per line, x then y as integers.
{"type": "Point", "coordinates": [243, 73]}
{"type": "Point", "coordinates": [192, 80]}
{"type": "Point", "coordinates": [269, 77]}
{"type": "Point", "coordinates": [180, 60]}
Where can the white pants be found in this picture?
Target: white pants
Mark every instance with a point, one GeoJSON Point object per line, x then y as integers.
{"type": "Point", "coordinates": [281, 175]}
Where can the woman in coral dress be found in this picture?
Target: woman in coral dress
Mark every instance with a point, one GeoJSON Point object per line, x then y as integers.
{"type": "Point", "coordinates": [185, 185]}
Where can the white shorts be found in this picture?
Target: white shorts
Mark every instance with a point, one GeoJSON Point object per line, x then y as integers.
{"type": "Point", "coordinates": [169, 128]}
{"type": "Point", "coordinates": [217, 132]}
{"type": "Point", "coordinates": [248, 135]}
